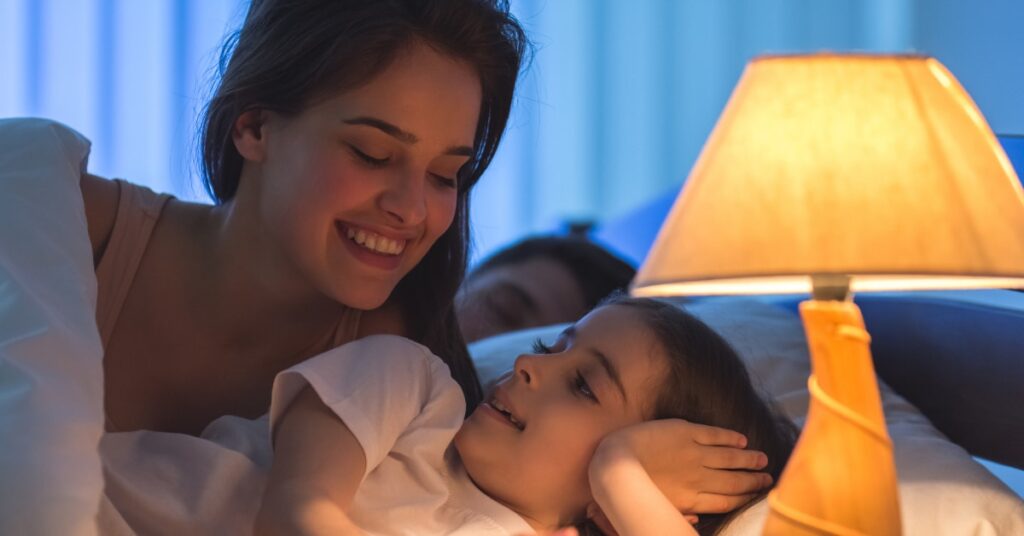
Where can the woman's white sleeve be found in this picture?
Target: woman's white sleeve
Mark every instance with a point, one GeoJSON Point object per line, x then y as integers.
{"type": "Point", "coordinates": [51, 356]}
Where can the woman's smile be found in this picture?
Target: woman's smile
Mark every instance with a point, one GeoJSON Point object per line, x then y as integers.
{"type": "Point", "coordinates": [371, 248]}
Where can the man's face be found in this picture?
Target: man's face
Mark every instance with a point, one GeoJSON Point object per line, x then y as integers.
{"type": "Point", "coordinates": [535, 292]}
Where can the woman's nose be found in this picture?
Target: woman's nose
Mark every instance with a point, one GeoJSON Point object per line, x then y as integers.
{"type": "Point", "coordinates": [404, 199]}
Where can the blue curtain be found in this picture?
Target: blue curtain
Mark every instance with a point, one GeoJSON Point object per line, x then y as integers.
{"type": "Point", "coordinates": [612, 112]}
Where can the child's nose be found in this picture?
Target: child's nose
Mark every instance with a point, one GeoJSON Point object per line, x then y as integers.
{"type": "Point", "coordinates": [526, 370]}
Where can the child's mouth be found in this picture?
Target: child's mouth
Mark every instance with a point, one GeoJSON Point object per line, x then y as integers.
{"type": "Point", "coordinates": [496, 406]}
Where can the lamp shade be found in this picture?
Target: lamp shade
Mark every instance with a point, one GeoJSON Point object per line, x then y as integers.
{"type": "Point", "coordinates": [880, 168]}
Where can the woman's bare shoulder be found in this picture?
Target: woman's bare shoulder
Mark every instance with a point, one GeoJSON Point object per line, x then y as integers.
{"type": "Point", "coordinates": [101, 198]}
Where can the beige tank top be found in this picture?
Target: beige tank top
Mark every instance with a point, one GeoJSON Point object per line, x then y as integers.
{"type": "Point", "coordinates": [138, 209]}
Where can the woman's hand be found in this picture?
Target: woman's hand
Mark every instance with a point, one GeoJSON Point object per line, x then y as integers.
{"type": "Point", "coordinates": [567, 531]}
{"type": "Point", "coordinates": [699, 469]}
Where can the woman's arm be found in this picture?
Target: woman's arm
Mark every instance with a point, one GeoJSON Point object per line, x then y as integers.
{"type": "Point", "coordinates": [318, 466]}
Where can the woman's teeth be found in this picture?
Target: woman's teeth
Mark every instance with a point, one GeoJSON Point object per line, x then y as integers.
{"type": "Point", "coordinates": [375, 242]}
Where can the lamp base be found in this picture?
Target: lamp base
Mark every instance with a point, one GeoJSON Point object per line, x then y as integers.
{"type": "Point", "coordinates": [841, 478]}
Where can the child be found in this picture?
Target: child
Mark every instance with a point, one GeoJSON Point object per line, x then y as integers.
{"type": "Point", "coordinates": [564, 437]}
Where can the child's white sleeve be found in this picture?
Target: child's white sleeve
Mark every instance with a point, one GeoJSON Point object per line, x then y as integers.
{"type": "Point", "coordinates": [377, 386]}
{"type": "Point", "coordinates": [51, 357]}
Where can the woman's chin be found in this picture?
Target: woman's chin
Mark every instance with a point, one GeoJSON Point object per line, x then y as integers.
{"type": "Point", "coordinates": [366, 300]}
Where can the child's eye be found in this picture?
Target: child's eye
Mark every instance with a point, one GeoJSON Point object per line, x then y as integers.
{"type": "Point", "coordinates": [372, 161]}
{"type": "Point", "coordinates": [581, 387]}
{"type": "Point", "coordinates": [540, 348]}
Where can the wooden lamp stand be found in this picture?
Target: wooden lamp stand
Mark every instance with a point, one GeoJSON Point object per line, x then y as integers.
{"type": "Point", "coordinates": [841, 478]}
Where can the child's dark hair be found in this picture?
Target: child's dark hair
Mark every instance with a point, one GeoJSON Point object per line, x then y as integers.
{"type": "Point", "coordinates": [708, 383]}
{"type": "Point", "coordinates": [291, 53]}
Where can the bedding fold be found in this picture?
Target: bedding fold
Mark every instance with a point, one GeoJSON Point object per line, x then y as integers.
{"type": "Point", "coordinates": [51, 357]}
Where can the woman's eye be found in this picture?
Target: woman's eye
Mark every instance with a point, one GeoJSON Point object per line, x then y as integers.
{"type": "Point", "coordinates": [581, 387]}
{"type": "Point", "coordinates": [447, 182]}
{"type": "Point", "coordinates": [375, 162]}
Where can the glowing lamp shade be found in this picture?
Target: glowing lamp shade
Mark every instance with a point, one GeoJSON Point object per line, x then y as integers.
{"type": "Point", "coordinates": [877, 167]}
{"type": "Point", "coordinates": [832, 174]}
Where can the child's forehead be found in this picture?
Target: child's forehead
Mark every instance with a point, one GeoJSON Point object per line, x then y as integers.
{"type": "Point", "coordinates": [621, 333]}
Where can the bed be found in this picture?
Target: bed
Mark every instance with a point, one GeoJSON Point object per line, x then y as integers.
{"type": "Point", "coordinates": [50, 351]}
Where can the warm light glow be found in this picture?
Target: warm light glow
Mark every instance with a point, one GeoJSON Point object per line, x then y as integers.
{"type": "Point", "coordinates": [879, 168]}
{"type": "Point", "coordinates": [802, 285]}
{"type": "Point", "coordinates": [832, 164]}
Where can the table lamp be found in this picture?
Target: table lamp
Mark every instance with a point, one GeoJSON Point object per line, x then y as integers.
{"type": "Point", "coordinates": [833, 174]}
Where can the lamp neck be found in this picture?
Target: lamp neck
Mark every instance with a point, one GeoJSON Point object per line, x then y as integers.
{"type": "Point", "coordinates": [830, 287]}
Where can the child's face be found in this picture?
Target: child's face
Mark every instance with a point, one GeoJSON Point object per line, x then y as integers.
{"type": "Point", "coordinates": [377, 162]}
{"type": "Point", "coordinates": [600, 376]}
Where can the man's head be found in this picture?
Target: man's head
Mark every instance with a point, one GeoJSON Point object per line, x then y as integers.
{"type": "Point", "coordinates": [536, 282]}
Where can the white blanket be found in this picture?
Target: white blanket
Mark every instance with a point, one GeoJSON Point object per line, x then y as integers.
{"type": "Point", "coordinates": [51, 373]}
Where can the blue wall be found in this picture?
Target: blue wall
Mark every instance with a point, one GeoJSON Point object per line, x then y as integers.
{"type": "Point", "coordinates": [612, 113]}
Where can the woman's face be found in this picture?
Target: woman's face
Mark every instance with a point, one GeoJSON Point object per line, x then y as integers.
{"type": "Point", "coordinates": [595, 379]}
{"type": "Point", "coordinates": [356, 189]}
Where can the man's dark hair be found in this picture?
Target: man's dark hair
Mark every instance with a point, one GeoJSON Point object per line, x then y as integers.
{"type": "Point", "coordinates": [596, 270]}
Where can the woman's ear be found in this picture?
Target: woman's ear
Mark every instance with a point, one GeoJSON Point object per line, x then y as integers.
{"type": "Point", "coordinates": [247, 133]}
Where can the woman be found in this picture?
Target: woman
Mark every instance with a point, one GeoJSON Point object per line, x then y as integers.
{"type": "Point", "coordinates": [338, 127]}
{"type": "Point", "coordinates": [340, 145]}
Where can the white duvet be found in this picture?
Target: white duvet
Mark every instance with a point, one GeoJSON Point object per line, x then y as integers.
{"type": "Point", "coordinates": [51, 376]}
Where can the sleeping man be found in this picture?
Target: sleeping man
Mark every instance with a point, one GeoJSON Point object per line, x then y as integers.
{"type": "Point", "coordinates": [538, 281]}
{"type": "Point", "coordinates": [566, 438]}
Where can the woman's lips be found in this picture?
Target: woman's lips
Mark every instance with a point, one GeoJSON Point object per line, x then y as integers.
{"type": "Point", "coordinates": [371, 258]}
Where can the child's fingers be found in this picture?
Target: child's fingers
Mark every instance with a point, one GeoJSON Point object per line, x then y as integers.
{"type": "Point", "coordinates": [715, 436]}
{"type": "Point", "coordinates": [714, 503]}
{"type": "Point", "coordinates": [567, 531]}
{"type": "Point", "coordinates": [691, 518]}
{"type": "Point", "coordinates": [732, 458]}
{"type": "Point", "coordinates": [725, 482]}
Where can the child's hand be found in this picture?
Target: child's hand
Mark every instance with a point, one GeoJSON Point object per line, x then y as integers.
{"type": "Point", "coordinates": [567, 531]}
{"type": "Point", "coordinates": [700, 469]}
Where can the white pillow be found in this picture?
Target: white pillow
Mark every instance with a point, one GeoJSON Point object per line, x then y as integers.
{"type": "Point", "coordinates": [942, 489]}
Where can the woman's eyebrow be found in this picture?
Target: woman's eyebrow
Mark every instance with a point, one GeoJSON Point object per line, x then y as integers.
{"type": "Point", "coordinates": [403, 136]}
{"type": "Point", "coordinates": [385, 127]}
